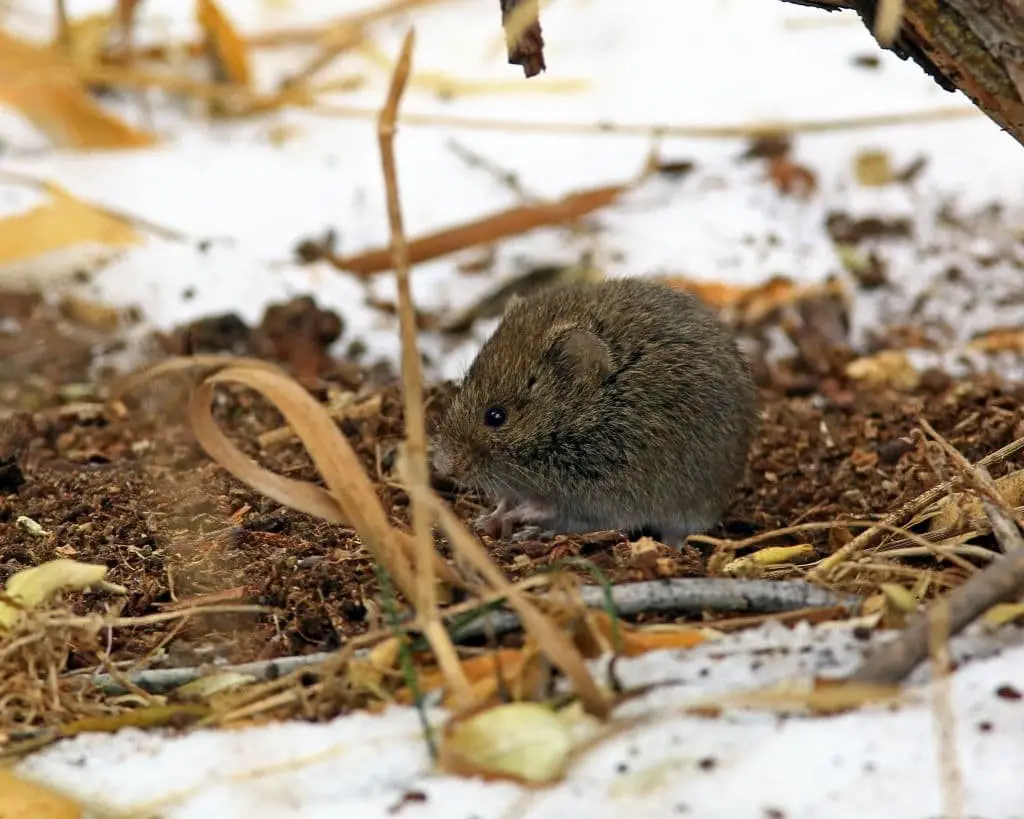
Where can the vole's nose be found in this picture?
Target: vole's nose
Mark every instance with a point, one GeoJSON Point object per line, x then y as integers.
{"type": "Point", "coordinates": [442, 461]}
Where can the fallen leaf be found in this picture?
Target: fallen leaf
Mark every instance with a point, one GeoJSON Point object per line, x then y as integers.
{"type": "Point", "coordinates": [62, 223]}
{"type": "Point", "coordinates": [890, 368]}
{"type": "Point", "coordinates": [873, 169]}
{"type": "Point", "coordinates": [24, 799]}
{"type": "Point", "coordinates": [522, 741]}
{"type": "Point", "coordinates": [1002, 614]}
{"type": "Point", "coordinates": [900, 597]}
{"type": "Point", "coordinates": [204, 688]}
{"type": "Point", "coordinates": [769, 556]}
{"type": "Point", "coordinates": [998, 340]}
{"type": "Point", "coordinates": [40, 82]}
{"type": "Point", "coordinates": [791, 178]}
{"type": "Point", "coordinates": [89, 314]}
{"type": "Point", "coordinates": [31, 587]}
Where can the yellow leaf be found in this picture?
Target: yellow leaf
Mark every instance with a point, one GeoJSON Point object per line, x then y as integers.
{"type": "Point", "coordinates": [997, 340]}
{"type": "Point", "coordinates": [205, 688]}
{"type": "Point", "coordinates": [62, 223]}
{"type": "Point", "coordinates": [873, 169]}
{"type": "Point", "coordinates": [23, 799]}
{"type": "Point", "coordinates": [40, 83]}
{"type": "Point", "coordinates": [1002, 613]}
{"type": "Point", "coordinates": [890, 368]}
{"type": "Point", "coordinates": [523, 741]}
{"type": "Point", "coordinates": [224, 46]}
{"type": "Point", "coordinates": [953, 510]}
{"type": "Point", "coordinates": [899, 597]}
{"type": "Point", "coordinates": [770, 556]}
{"type": "Point", "coordinates": [30, 587]}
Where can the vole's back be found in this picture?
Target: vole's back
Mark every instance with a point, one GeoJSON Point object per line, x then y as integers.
{"type": "Point", "coordinates": [623, 404]}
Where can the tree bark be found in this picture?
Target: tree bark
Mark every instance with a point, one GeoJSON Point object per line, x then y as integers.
{"type": "Point", "coordinates": [976, 46]}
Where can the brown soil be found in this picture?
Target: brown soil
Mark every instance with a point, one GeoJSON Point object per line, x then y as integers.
{"type": "Point", "coordinates": [129, 487]}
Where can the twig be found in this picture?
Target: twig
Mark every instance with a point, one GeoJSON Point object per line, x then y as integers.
{"type": "Point", "coordinates": [680, 595]}
{"type": "Point", "coordinates": [415, 456]}
{"type": "Point", "coordinates": [523, 36]}
{"type": "Point", "coordinates": [866, 539]}
{"type": "Point", "coordinates": [752, 129]}
{"type": "Point", "coordinates": [999, 582]}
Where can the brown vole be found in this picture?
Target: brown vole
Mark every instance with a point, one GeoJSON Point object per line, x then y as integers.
{"type": "Point", "coordinates": [618, 405]}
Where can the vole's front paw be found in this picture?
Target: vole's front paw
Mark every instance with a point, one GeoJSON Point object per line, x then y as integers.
{"type": "Point", "coordinates": [492, 524]}
{"type": "Point", "coordinates": [532, 533]}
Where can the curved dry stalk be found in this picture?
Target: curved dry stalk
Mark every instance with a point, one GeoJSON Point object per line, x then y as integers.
{"type": "Point", "coordinates": [869, 525]}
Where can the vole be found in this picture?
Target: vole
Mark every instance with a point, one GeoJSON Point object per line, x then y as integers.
{"type": "Point", "coordinates": [624, 404]}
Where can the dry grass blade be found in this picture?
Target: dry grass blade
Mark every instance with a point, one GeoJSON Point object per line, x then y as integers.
{"type": "Point", "coordinates": [415, 455]}
{"type": "Point", "coordinates": [557, 646]}
{"type": "Point", "coordinates": [999, 582]}
{"type": "Point", "coordinates": [942, 707]}
{"type": "Point", "coordinates": [484, 230]}
{"type": "Point", "coordinates": [867, 538]}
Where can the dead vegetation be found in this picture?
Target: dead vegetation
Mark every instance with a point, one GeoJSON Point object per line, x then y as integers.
{"type": "Point", "coordinates": [276, 502]}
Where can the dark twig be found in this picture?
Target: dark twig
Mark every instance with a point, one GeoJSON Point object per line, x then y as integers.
{"type": "Point", "coordinates": [521, 21]}
{"type": "Point", "coordinates": [999, 582]}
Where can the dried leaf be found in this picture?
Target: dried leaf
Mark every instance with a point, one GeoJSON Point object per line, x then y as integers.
{"type": "Point", "coordinates": [790, 178]}
{"type": "Point", "coordinates": [873, 169]}
{"type": "Point", "coordinates": [40, 83]}
{"type": "Point", "coordinates": [1002, 614]}
{"type": "Point", "coordinates": [999, 340]}
{"type": "Point", "coordinates": [31, 587]}
{"type": "Point", "coordinates": [890, 368]}
{"type": "Point", "coordinates": [24, 799]}
{"type": "Point", "coordinates": [522, 741]}
{"type": "Point", "coordinates": [225, 48]}
{"type": "Point", "coordinates": [64, 222]}
{"type": "Point", "coordinates": [952, 510]}
{"type": "Point", "coordinates": [899, 597]}
{"type": "Point", "coordinates": [203, 688]}
{"type": "Point", "coordinates": [769, 556]}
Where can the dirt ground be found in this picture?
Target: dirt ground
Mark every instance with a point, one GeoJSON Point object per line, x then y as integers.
{"type": "Point", "coordinates": [131, 488]}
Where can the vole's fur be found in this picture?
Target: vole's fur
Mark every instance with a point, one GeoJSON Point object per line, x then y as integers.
{"type": "Point", "coordinates": [627, 406]}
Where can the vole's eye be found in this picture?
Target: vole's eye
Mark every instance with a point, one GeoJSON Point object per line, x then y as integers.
{"type": "Point", "coordinates": [495, 416]}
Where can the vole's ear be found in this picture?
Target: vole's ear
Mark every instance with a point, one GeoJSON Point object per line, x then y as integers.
{"type": "Point", "coordinates": [513, 300]}
{"type": "Point", "coordinates": [582, 352]}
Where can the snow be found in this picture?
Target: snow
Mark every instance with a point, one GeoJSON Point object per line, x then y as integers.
{"type": "Point", "coordinates": [879, 761]}
{"type": "Point", "coordinates": [647, 66]}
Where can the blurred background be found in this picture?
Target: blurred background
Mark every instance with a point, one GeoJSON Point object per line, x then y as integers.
{"type": "Point", "coordinates": [216, 158]}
